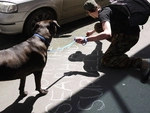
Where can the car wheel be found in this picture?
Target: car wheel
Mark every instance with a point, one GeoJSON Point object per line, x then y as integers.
{"type": "Point", "coordinates": [33, 18]}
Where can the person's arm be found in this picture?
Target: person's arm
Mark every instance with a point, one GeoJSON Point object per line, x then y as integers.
{"type": "Point", "coordinates": [105, 34]}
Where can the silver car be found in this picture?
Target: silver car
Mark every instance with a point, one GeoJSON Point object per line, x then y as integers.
{"type": "Point", "coordinates": [18, 16]}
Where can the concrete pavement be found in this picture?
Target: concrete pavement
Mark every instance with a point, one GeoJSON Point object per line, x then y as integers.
{"type": "Point", "coordinates": [76, 83]}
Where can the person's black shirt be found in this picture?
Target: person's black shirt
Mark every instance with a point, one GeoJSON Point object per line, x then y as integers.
{"type": "Point", "coordinates": [118, 20]}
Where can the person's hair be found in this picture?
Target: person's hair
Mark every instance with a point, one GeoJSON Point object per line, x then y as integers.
{"type": "Point", "coordinates": [92, 10]}
{"type": "Point", "coordinates": [91, 6]}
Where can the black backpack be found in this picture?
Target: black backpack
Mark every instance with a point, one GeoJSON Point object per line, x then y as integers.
{"type": "Point", "coordinates": [138, 11]}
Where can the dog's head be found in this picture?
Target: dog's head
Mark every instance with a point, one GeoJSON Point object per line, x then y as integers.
{"type": "Point", "coordinates": [46, 28]}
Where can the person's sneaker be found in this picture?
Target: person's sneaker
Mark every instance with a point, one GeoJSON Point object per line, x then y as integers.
{"type": "Point", "coordinates": [145, 70]}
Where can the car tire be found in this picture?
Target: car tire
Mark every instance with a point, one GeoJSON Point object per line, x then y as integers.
{"type": "Point", "coordinates": [33, 18]}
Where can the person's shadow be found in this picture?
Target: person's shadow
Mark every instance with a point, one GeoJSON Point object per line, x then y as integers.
{"type": "Point", "coordinates": [91, 61]}
{"type": "Point", "coordinates": [86, 98]}
{"type": "Point", "coordinates": [25, 107]}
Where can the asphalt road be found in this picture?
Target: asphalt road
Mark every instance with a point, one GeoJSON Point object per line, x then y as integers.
{"type": "Point", "coordinates": [75, 82]}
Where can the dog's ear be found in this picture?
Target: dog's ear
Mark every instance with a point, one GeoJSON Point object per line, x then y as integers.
{"type": "Point", "coordinates": [56, 23]}
{"type": "Point", "coordinates": [53, 27]}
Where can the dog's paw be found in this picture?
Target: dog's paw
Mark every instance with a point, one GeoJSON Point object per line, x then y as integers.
{"type": "Point", "coordinates": [43, 91]}
{"type": "Point", "coordinates": [23, 94]}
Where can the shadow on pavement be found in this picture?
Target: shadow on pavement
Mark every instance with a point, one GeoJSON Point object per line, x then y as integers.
{"type": "Point", "coordinates": [88, 99]}
{"type": "Point", "coordinates": [70, 27]}
{"type": "Point", "coordinates": [25, 107]}
{"type": "Point", "coordinates": [7, 41]}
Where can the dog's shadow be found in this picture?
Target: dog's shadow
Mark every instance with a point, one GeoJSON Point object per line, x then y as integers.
{"type": "Point", "coordinates": [25, 107]}
{"type": "Point", "coordinates": [91, 61]}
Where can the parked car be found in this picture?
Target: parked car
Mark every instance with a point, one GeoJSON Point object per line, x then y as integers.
{"type": "Point", "coordinates": [18, 16]}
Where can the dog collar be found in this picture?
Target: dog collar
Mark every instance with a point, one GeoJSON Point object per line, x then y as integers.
{"type": "Point", "coordinates": [42, 38]}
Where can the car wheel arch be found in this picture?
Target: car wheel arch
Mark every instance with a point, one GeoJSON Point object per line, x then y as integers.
{"type": "Point", "coordinates": [33, 12]}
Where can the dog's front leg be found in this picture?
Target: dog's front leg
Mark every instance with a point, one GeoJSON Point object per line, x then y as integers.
{"type": "Point", "coordinates": [38, 76]}
{"type": "Point", "coordinates": [22, 86]}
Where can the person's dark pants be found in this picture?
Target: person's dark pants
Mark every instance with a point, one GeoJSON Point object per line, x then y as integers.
{"type": "Point", "coordinates": [115, 56]}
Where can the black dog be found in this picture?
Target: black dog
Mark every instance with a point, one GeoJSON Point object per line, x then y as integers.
{"type": "Point", "coordinates": [28, 57]}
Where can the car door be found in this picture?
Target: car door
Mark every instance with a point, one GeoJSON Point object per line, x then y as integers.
{"type": "Point", "coordinates": [103, 3]}
{"type": "Point", "coordinates": [72, 8]}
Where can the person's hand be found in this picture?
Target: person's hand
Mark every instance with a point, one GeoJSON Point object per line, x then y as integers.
{"type": "Point", "coordinates": [81, 40]}
{"type": "Point", "coordinates": [90, 32]}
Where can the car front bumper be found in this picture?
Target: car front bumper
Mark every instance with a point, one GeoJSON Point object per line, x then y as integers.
{"type": "Point", "coordinates": [11, 23]}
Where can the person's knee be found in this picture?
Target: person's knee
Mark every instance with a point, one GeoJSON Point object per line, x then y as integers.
{"type": "Point", "coordinates": [107, 63]}
{"type": "Point", "coordinates": [98, 27]}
